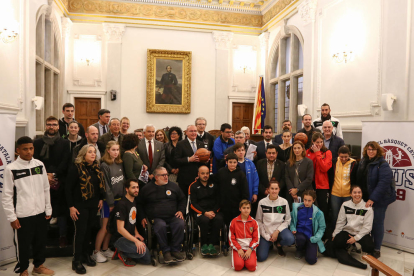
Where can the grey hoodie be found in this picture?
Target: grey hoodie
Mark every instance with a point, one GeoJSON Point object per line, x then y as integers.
{"type": "Point", "coordinates": [114, 181]}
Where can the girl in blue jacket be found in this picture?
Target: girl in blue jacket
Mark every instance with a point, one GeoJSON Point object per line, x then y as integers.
{"type": "Point", "coordinates": [308, 224]}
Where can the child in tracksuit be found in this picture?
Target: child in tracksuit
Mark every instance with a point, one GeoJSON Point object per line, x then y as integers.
{"type": "Point", "coordinates": [308, 224]}
{"type": "Point", "coordinates": [273, 217]}
{"type": "Point", "coordinates": [244, 239]}
{"type": "Point", "coordinates": [233, 188]}
{"type": "Point", "coordinates": [248, 167]}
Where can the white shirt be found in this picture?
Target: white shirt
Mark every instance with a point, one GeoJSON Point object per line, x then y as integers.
{"type": "Point", "coordinates": [152, 146]}
{"type": "Point", "coordinates": [191, 143]}
{"type": "Point", "coordinates": [201, 135]}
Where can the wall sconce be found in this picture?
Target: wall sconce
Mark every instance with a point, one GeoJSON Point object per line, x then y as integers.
{"type": "Point", "coordinates": [8, 35]}
{"type": "Point", "coordinates": [244, 67]}
{"type": "Point", "coordinates": [88, 60]}
{"type": "Point", "coordinates": [343, 56]}
{"type": "Point", "coordinates": [244, 58]}
{"type": "Point", "coordinates": [387, 101]}
{"type": "Point", "coordinates": [38, 101]}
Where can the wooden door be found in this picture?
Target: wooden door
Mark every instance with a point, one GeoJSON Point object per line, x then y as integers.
{"type": "Point", "coordinates": [242, 115]}
{"type": "Point", "coordinates": [86, 110]}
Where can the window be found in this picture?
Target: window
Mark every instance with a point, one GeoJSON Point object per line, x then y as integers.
{"type": "Point", "coordinates": [47, 70]}
{"type": "Point", "coordinates": [286, 65]}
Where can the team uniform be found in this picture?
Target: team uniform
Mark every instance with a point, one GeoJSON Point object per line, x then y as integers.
{"type": "Point", "coordinates": [337, 129]}
{"type": "Point", "coordinates": [28, 182]}
{"type": "Point", "coordinates": [244, 235]}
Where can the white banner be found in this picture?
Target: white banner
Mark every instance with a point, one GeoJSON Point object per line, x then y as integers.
{"type": "Point", "coordinates": [397, 140]}
{"type": "Point", "coordinates": [7, 143]}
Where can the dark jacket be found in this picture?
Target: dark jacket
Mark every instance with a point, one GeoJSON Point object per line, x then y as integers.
{"type": "Point", "coordinates": [83, 142]}
{"type": "Point", "coordinates": [334, 146]}
{"type": "Point", "coordinates": [309, 143]}
{"type": "Point", "coordinates": [64, 128]}
{"type": "Point", "coordinates": [305, 173]}
{"type": "Point", "coordinates": [204, 198]}
{"type": "Point", "coordinates": [207, 140]}
{"type": "Point", "coordinates": [158, 158]}
{"type": "Point", "coordinates": [110, 137]}
{"type": "Point", "coordinates": [278, 174]}
{"type": "Point", "coordinates": [170, 162]}
{"type": "Point", "coordinates": [218, 152]}
{"type": "Point", "coordinates": [261, 149]}
{"type": "Point", "coordinates": [160, 201]}
{"type": "Point", "coordinates": [188, 171]}
{"type": "Point", "coordinates": [378, 181]}
{"type": "Point", "coordinates": [233, 188]}
{"type": "Point", "coordinates": [278, 139]}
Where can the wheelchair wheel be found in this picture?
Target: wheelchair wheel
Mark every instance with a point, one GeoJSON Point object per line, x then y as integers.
{"type": "Point", "coordinates": [190, 256]}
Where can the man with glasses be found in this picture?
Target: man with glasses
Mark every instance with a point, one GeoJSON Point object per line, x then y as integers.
{"type": "Point", "coordinates": [54, 152]}
{"type": "Point", "coordinates": [163, 203]}
{"type": "Point", "coordinates": [222, 142]}
{"type": "Point", "coordinates": [186, 159]}
{"type": "Point", "coordinates": [202, 135]}
{"type": "Point", "coordinates": [333, 143]}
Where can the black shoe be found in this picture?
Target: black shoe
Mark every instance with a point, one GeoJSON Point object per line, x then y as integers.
{"type": "Point", "coordinates": [280, 251]}
{"type": "Point", "coordinates": [168, 258]}
{"type": "Point", "coordinates": [376, 254]}
{"type": "Point", "coordinates": [179, 256]}
{"type": "Point", "coordinates": [78, 267]}
{"type": "Point", "coordinates": [86, 259]}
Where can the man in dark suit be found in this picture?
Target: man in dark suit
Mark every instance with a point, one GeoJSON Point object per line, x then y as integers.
{"type": "Point", "coordinates": [262, 145]}
{"type": "Point", "coordinates": [186, 159]}
{"type": "Point", "coordinates": [286, 125]}
{"type": "Point", "coordinates": [269, 168]}
{"type": "Point", "coordinates": [114, 133]}
{"type": "Point", "coordinates": [151, 151]}
{"type": "Point", "coordinates": [206, 138]}
{"type": "Point", "coordinates": [333, 143]}
{"type": "Point", "coordinates": [102, 125]}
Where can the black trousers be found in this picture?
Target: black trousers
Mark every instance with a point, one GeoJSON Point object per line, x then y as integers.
{"type": "Point", "coordinates": [177, 227]}
{"type": "Point", "coordinates": [33, 232]}
{"type": "Point", "coordinates": [322, 197]}
{"type": "Point", "coordinates": [229, 215]}
{"type": "Point", "coordinates": [216, 224]}
{"type": "Point", "coordinates": [83, 227]}
{"type": "Point", "coordinates": [342, 254]}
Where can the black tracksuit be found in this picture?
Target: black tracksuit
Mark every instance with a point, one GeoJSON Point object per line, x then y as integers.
{"type": "Point", "coordinates": [206, 199]}
{"type": "Point", "coordinates": [233, 189]}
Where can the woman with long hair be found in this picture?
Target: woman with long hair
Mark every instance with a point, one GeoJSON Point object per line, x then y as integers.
{"type": "Point", "coordinates": [73, 135]}
{"type": "Point", "coordinates": [85, 191]}
{"type": "Point", "coordinates": [375, 178]}
{"type": "Point", "coordinates": [175, 134]}
{"type": "Point", "coordinates": [283, 150]}
{"type": "Point", "coordinates": [298, 173]}
{"type": "Point", "coordinates": [322, 162]}
{"type": "Point", "coordinates": [161, 136]}
{"type": "Point", "coordinates": [133, 165]}
{"type": "Point", "coordinates": [113, 171]}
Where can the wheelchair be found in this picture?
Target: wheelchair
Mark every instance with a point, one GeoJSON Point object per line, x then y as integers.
{"type": "Point", "coordinates": [153, 246]}
{"type": "Point", "coordinates": [194, 230]}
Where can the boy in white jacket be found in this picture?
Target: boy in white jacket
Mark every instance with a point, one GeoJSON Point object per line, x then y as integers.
{"type": "Point", "coordinates": [273, 217]}
{"type": "Point", "coordinates": [26, 179]}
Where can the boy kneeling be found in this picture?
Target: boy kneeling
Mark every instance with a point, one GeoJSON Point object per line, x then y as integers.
{"type": "Point", "coordinates": [129, 244]}
{"type": "Point", "coordinates": [244, 239]}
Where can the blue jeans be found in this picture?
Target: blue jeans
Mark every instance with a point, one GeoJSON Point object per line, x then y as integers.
{"type": "Point", "coordinates": [336, 203]}
{"type": "Point", "coordinates": [378, 226]}
{"type": "Point", "coordinates": [285, 238]}
{"type": "Point", "coordinates": [130, 250]}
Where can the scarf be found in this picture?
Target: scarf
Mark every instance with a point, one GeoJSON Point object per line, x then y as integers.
{"type": "Point", "coordinates": [327, 118]}
{"type": "Point", "coordinates": [49, 141]}
{"type": "Point", "coordinates": [87, 188]}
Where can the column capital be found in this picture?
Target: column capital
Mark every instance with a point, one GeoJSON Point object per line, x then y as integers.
{"type": "Point", "coordinates": [66, 27]}
{"type": "Point", "coordinates": [264, 39]}
{"type": "Point", "coordinates": [223, 40]}
{"type": "Point", "coordinates": [113, 32]}
{"type": "Point", "coordinates": [307, 11]}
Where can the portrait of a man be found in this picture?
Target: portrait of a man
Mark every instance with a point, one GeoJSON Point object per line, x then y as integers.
{"type": "Point", "coordinates": [168, 83]}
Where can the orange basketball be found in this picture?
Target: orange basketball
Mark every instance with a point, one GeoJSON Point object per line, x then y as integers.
{"type": "Point", "coordinates": [301, 137]}
{"type": "Point", "coordinates": [203, 154]}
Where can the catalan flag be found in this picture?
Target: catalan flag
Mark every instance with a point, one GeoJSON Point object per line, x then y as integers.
{"type": "Point", "coordinates": [260, 109]}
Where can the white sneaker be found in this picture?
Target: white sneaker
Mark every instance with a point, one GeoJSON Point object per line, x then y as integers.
{"type": "Point", "coordinates": [98, 257]}
{"type": "Point", "coordinates": [108, 253]}
{"type": "Point", "coordinates": [53, 221]}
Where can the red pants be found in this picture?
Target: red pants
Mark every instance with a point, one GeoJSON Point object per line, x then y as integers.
{"type": "Point", "coordinates": [238, 263]}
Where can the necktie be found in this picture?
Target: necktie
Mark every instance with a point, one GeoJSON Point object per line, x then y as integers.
{"type": "Point", "coordinates": [104, 129]}
{"type": "Point", "coordinates": [150, 154]}
{"type": "Point", "coordinates": [267, 144]}
{"type": "Point", "coordinates": [194, 148]}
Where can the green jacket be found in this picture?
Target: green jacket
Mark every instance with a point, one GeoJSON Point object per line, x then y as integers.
{"type": "Point", "coordinates": [318, 224]}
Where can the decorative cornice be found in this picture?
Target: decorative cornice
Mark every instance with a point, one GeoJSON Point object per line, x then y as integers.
{"type": "Point", "coordinates": [113, 32]}
{"type": "Point", "coordinates": [276, 9]}
{"type": "Point", "coordinates": [223, 40]}
{"type": "Point", "coordinates": [307, 11]}
{"type": "Point", "coordinates": [66, 27]}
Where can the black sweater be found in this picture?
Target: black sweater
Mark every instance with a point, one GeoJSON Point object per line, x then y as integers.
{"type": "Point", "coordinates": [205, 198]}
{"type": "Point", "coordinates": [233, 188]}
{"type": "Point", "coordinates": [161, 201]}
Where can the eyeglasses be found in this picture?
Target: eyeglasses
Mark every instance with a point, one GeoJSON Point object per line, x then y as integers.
{"type": "Point", "coordinates": [163, 175]}
{"type": "Point", "coordinates": [371, 149]}
{"type": "Point", "coordinates": [174, 133]}
{"type": "Point", "coordinates": [51, 125]}
{"type": "Point", "coordinates": [228, 132]}
{"type": "Point", "coordinates": [201, 124]}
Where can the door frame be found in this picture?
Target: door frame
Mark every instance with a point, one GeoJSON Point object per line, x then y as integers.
{"type": "Point", "coordinates": [87, 94]}
{"type": "Point", "coordinates": [239, 99]}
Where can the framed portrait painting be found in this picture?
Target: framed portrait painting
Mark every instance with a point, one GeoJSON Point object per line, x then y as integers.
{"type": "Point", "coordinates": [168, 81]}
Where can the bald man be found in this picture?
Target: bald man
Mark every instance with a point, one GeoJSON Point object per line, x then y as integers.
{"type": "Point", "coordinates": [91, 137]}
{"type": "Point", "coordinates": [186, 159]}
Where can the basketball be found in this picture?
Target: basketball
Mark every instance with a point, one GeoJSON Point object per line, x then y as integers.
{"type": "Point", "coordinates": [203, 154]}
{"type": "Point", "coordinates": [301, 137]}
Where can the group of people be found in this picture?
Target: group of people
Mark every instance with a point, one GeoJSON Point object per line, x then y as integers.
{"type": "Point", "coordinates": [314, 192]}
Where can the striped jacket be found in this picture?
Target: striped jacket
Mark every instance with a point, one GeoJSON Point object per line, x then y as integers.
{"type": "Point", "coordinates": [244, 234]}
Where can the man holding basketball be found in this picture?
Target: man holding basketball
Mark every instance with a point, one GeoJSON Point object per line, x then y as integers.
{"type": "Point", "coordinates": [188, 162]}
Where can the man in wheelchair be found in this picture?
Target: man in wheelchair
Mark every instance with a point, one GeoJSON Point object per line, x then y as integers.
{"type": "Point", "coordinates": [205, 202]}
{"type": "Point", "coordinates": [163, 203]}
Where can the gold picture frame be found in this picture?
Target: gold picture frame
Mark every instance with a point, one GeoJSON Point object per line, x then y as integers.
{"type": "Point", "coordinates": [168, 81]}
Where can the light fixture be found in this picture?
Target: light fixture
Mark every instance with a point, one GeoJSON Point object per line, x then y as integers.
{"type": "Point", "coordinates": [244, 67]}
{"type": "Point", "coordinates": [8, 35]}
{"type": "Point", "coordinates": [343, 56]}
{"type": "Point", "coordinates": [88, 60]}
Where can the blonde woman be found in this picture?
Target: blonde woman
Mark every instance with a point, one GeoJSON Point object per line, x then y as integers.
{"type": "Point", "coordinates": [161, 136]}
{"type": "Point", "coordinates": [85, 191]}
